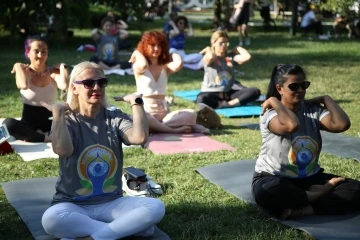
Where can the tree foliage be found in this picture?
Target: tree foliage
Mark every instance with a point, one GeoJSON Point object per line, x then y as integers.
{"type": "Point", "coordinates": [342, 7]}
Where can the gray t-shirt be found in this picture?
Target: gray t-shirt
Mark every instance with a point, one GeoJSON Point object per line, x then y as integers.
{"type": "Point", "coordinates": [92, 174]}
{"type": "Point", "coordinates": [108, 47]}
{"type": "Point", "coordinates": [218, 76]}
{"type": "Point", "coordinates": [295, 155]}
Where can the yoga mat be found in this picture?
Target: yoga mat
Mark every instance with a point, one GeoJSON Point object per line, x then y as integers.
{"type": "Point", "coordinates": [240, 111]}
{"type": "Point", "coordinates": [31, 197]}
{"type": "Point", "coordinates": [236, 178]}
{"type": "Point", "coordinates": [184, 143]}
{"type": "Point", "coordinates": [192, 94]}
{"type": "Point", "coordinates": [336, 144]}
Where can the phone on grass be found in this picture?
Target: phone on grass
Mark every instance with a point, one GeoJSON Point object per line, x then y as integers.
{"type": "Point", "coordinates": [4, 133]}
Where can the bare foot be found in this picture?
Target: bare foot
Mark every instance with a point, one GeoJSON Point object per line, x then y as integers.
{"type": "Point", "coordinates": [326, 187]}
{"type": "Point", "coordinates": [183, 129]}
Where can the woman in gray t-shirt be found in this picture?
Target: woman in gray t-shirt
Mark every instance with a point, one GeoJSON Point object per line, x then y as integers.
{"type": "Point", "coordinates": [88, 136]}
{"type": "Point", "coordinates": [288, 180]}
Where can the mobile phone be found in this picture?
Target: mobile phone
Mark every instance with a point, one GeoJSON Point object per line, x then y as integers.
{"type": "Point", "coordinates": [4, 133]}
{"type": "Point", "coordinates": [134, 173]}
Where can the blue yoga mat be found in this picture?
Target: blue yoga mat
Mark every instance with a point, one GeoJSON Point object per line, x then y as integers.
{"type": "Point", "coordinates": [241, 111]}
{"type": "Point", "coordinates": [188, 94]}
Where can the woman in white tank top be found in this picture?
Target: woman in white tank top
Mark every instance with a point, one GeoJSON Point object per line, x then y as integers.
{"type": "Point", "coordinates": [37, 82]}
{"type": "Point", "coordinates": [152, 64]}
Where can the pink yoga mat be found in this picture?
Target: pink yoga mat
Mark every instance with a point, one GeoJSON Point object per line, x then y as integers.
{"type": "Point", "coordinates": [184, 143]}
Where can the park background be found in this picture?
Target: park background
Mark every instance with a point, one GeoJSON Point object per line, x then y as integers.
{"type": "Point", "coordinates": [195, 208]}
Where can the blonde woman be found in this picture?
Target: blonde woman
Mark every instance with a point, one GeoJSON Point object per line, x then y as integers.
{"type": "Point", "coordinates": [88, 136]}
{"type": "Point", "coordinates": [219, 88]}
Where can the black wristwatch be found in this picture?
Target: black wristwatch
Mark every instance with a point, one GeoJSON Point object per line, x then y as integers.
{"type": "Point", "coordinates": [138, 101]}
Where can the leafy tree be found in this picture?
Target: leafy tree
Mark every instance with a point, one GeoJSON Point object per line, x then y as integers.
{"type": "Point", "coordinates": [342, 7]}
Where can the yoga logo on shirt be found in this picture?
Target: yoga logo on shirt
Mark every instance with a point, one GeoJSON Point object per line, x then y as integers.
{"type": "Point", "coordinates": [97, 166]}
{"type": "Point", "coordinates": [108, 51]}
{"type": "Point", "coordinates": [302, 157]}
{"type": "Point", "coordinates": [223, 78]}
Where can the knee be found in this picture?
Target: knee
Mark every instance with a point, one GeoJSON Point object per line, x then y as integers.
{"type": "Point", "coordinates": [52, 220]}
{"type": "Point", "coordinates": [10, 123]}
{"type": "Point", "coordinates": [157, 208]}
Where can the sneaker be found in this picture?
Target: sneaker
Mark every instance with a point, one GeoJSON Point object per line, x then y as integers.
{"type": "Point", "coordinates": [153, 187]}
{"type": "Point", "coordinates": [247, 41]}
{"type": "Point", "coordinates": [136, 187]}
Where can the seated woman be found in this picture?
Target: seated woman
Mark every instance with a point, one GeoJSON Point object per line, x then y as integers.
{"type": "Point", "coordinates": [88, 137]}
{"type": "Point", "coordinates": [37, 82]}
{"type": "Point", "coordinates": [219, 89]}
{"type": "Point", "coordinates": [177, 39]}
{"type": "Point", "coordinates": [152, 65]}
{"type": "Point", "coordinates": [107, 46]}
{"type": "Point", "coordinates": [288, 180]}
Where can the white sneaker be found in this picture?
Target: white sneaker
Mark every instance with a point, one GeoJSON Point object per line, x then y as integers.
{"type": "Point", "coordinates": [154, 188]}
{"type": "Point", "coordinates": [135, 187]}
{"type": "Point", "coordinates": [247, 41]}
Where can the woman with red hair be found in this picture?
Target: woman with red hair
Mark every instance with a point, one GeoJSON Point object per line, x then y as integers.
{"type": "Point", "coordinates": [152, 65]}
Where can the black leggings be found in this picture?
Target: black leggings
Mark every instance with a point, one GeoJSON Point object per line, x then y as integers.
{"type": "Point", "coordinates": [33, 118]}
{"type": "Point", "coordinates": [212, 99]}
{"type": "Point", "coordinates": [276, 194]}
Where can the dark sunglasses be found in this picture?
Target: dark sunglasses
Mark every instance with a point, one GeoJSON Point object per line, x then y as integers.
{"type": "Point", "coordinates": [295, 86]}
{"type": "Point", "coordinates": [90, 83]}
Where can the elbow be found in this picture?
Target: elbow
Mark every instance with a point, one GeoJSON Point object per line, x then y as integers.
{"type": "Point", "coordinates": [293, 127]}
{"type": "Point", "coordinates": [345, 125]}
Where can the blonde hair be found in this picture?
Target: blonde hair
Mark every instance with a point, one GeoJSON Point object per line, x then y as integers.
{"type": "Point", "coordinates": [218, 34]}
{"type": "Point", "coordinates": [72, 100]}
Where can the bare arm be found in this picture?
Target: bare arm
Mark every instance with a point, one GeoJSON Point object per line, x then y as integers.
{"type": "Point", "coordinates": [60, 138]}
{"type": "Point", "coordinates": [209, 56]}
{"type": "Point", "coordinates": [61, 79]}
{"type": "Point", "coordinates": [243, 55]}
{"type": "Point", "coordinates": [95, 34]}
{"type": "Point", "coordinates": [140, 64]}
{"type": "Point", "coordinates": [239, 4]}
{"type": "Point", "coordinates": [22, 80]}
{"type": "Point", "coordinates": [122, 25]}
{"type": "Point", "coordinates": [175, 31]}
{"type": "Point", "coordinates": [337, 120]}
{"type": "Point", "coordinates": [175, 65]}
{"type": "Point", "coordinates": [285, 122]}
{"type": "Point", "coordinates": [139, 133]}
{"type": "Point", "coordinates": [190, 33]}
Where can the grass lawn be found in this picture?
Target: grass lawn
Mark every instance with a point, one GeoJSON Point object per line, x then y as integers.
{"type": "Point", "coordinates": [197, 209]}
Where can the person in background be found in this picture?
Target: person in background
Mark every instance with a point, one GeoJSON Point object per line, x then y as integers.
{"type": "Point", "coordinates": [107, 46]}
{"type": "Point", "coordinates": [311, 21]}
{"type": "Point", "coordinates": [37, 82]}
{"type": "Point", "coordinates": [288, 180]}
{"type": "Point", "coordinates": [88, 136]}
{"type": "Point", "coordinates": [243, 20]}
{"type": "Point", "coordinates": [177, 40]}
{"type": "Point", "coordinates": [152, 65]}
{"type": "Point", "coordinates": [219, 88]}
{"type": "Point", "coordinates": [169, 24]}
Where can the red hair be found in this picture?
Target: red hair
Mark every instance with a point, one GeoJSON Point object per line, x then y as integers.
{"type": "Point", "coordinates": [151, 38]}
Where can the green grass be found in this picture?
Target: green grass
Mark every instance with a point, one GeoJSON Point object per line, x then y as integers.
{"type": "Point", "coordinates": [197, 209]}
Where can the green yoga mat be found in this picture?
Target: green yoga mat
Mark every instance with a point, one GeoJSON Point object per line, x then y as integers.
{"type": "Point", "coordinates": [31, 197]}
{"type": "Point", "coordinates": [336, 144]}
{"type": "Point", "coordinates": [236, 178]}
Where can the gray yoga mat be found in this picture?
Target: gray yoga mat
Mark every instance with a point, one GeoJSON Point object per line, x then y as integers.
{"type": "Point", "coordinates": [236, 177]}
{"type": "Point", "coordinates": [333, 143]}
{"type": "Point", "coordinates": [31, 197]}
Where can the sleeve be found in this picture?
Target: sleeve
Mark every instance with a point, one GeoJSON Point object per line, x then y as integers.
{"type": "Point", "coordinates": [71, 127]}
{"type": "Point", "coordinates": [123, 122]}
{"type": "Point", "coordinates": [322, 112]}
{"type": "Point", "coordinates": [268, 116]}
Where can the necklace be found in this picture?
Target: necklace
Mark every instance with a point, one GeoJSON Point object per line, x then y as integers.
{"type": "Point", "coordinates": [37, 74]}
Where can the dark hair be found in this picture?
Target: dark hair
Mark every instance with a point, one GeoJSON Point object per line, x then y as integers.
{"type": "Point", "coordinates": [280, 75]}
{"type": "Point", "coordinates": [31, 39]}
{"type": "Point", "coordinates": [107, 19]}
{"type": "Point", "coordinates": [182, 18]}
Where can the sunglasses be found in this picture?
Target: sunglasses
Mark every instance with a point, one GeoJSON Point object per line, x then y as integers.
{"type": "Point", "coordinates": [221, 44]}
{"type": "Point", "coordinates": [90, 83]}
{"type": "Point", "coordinates": [295, 86]}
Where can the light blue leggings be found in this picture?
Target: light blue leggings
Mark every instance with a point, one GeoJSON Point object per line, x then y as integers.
{"type": "Point", "coordinates": [122, 217]}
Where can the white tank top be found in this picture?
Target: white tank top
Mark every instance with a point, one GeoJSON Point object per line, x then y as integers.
{"type": "Point", "coordinates": [33, 95]}
{"type": "Point", "coordinates": [147, 85]}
